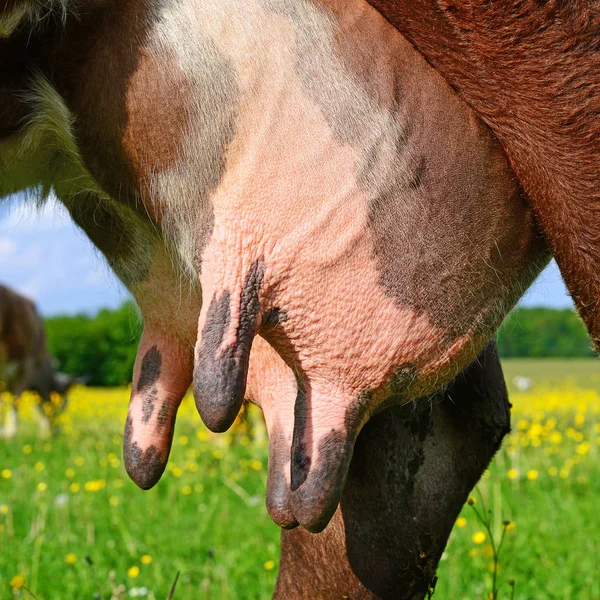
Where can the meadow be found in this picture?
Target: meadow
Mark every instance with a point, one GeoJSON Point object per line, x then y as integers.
{"type": "Point", "coordinates": [72, 525]}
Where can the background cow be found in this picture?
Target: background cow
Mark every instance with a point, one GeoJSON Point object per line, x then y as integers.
{"type": "Point", "coordinates": [25, 363]}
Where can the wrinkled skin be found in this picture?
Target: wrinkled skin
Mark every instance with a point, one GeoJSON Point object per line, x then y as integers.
{"type": "Point", "coordinates": [359, 219]}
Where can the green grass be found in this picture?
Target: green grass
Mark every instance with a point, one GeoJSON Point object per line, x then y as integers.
{"type": "Point", "coordinates": [206, 518]}
{"type": "Point", "coordinates": [582, 372]}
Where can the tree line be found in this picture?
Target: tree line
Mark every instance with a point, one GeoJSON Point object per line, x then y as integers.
{"type": "Point", "coordinates": [102, 347]}
{"type": "Point", "coordinates": [544, 332]}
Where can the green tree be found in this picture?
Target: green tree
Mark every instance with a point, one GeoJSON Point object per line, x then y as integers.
{"type": "Point", "coordinates": [101, 348]}
{"type": "Point", "coordinates": [544, 332]}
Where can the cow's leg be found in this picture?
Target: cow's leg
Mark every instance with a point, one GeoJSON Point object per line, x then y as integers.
{"type": "Point", "coordinates": [44, 409]}
{"type": "Point", "coordinates": [412, 470]}
{"type": "Point", "coordinates": [11, 419]}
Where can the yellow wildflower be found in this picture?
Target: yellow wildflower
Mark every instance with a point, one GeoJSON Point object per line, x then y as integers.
{"type": "Point", "coordinates": [133, 572]}
{"type": "Point", "coordinates": [186, 490]}
{"type": "Point", "coordinates": [146, 559]}
{"type": "Point", "coordinates": [6, 473]}
{"type": "Point", "coordinates": [269, 565]}
{"type": "Point", "coordinates": [42, 487]}
{"type": "Point", "coordinates": [461, 522]}
{"type": "Point", "coordinates": [532, 475]}
{"type": "Point", "coordinates": [256, 465]}
{"type": "Point", "coordinates": [583, 448]}
{"type": "Point", "coordinates": [74, 488]}
{"type": "Point", "coordinates": [95, 485]}
{"type": "Point", "coordinates": [70, 559]}
{"type": "Point", "coordinates": [27, 449]}
{"type": "Point", "coordinates": [479, 537]}
{"type": "Point", "coordinates": [535, 430]}
{"type": "Point", "coordinates": [513, 473]}
{"type": "Point", "coordinates": [17, 582]}
{"type": "Point", "coordinates": [70, 473]}
{"type": "Point", "coordinates": [202, 435]}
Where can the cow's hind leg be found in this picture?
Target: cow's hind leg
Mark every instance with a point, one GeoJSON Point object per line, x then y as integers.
{"type": "Point", "coordinates": [412, 470]}
{"type": "Point", "coordinates": [11, 420]}
{"type": "Point", "coordinates": [44, 408]}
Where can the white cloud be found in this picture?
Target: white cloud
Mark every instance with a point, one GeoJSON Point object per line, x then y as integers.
{"type": "Point", "coordinates": [7, 248]}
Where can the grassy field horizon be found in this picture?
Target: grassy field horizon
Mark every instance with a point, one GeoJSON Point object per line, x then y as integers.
{"type": "Point", "coordinates": [67, 498]}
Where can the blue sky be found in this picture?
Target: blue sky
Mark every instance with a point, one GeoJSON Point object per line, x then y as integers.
{"type": "Point", "coordinates": [45, 257]}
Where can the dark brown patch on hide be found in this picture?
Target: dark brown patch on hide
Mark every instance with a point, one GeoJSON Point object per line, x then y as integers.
{"type": "Point", "coordinates": [220, 375]}
{"type": "Point", "coordinates": [424, 237]}
{"type": "Point", "coordinates": [163, 413]}
{"type": "Point", "coordinates": [148, 405]}
{"type": "Point", "coordinates": [144, 467]}
{"type": "Point", "coordinates": [150, 371]}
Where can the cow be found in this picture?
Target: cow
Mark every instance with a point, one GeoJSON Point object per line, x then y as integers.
{"type": "Point", "coordinates": [531, 71]}
{"type": "Point", "coordinates": [26, 364]}
{"type": "Point", "coordinates": [248, 167]}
